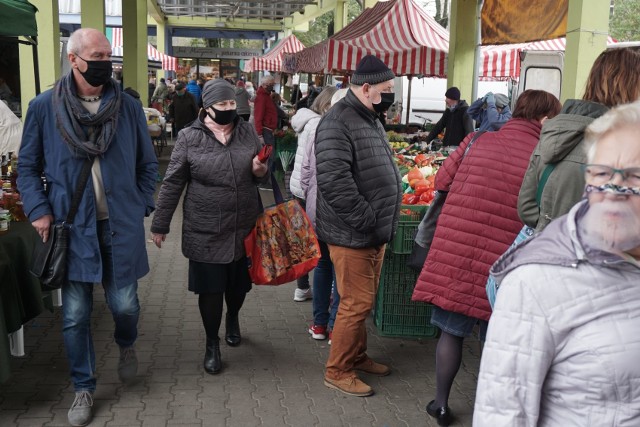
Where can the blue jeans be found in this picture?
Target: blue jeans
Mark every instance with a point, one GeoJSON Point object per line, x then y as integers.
{"type": "Point", "coordinates": [77, 304]}
{"type": "Point", "coordinates": [323, 278]}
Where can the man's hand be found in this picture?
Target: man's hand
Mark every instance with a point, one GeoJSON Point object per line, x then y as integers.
{"type": "Point", "coordinates": [158, 239]}
{"type": "Point", "coordinates": [42, 226]}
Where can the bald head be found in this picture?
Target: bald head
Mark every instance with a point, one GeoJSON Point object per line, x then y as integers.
{"type": "Point", "coordinates": [89, 47]}
{"type": "Point", "coordinates": [86, 37]}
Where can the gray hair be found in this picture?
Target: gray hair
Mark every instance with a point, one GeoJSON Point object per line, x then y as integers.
{"type": "Point", "coordinates": [75, 44]}
{"type": "Point", "coordinates": [623, 115]}
{"type": "Point", "coordinates": [265, 80]}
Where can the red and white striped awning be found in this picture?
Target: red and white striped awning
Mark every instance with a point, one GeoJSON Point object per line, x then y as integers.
{"type": "Point", "coordinates": [501, 62]}
{"type": "Point", "coordinates": [398, 32]}
{"type": "Point", "coordinates": [168, 62]}
{"type": "Point", "coordinates": [272, 60]}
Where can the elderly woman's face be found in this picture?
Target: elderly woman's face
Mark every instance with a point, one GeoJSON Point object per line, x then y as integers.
{"type": "Point", "coordinates": [225, 105]}
{"type": "Point", "coordinates": [614, 218]}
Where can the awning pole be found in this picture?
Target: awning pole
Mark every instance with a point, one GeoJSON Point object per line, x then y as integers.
{"type": "Point", "coordinates": [478, 53]}
{"type": "Point", "coordinates": [409, 100]}
{"type": "Point", "coordinates": [36, 65]}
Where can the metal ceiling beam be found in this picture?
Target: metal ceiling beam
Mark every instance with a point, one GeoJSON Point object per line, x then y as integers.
{"type": "Point", "coordinates": [155, 11]}
{"type": "Point", "coordinates": [239, 24]}
{"type": "Point", "coordinates": [310, 12]}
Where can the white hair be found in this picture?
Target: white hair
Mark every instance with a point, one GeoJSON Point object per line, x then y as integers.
{"type": "Point", "coordinates": [340, 93]}
{"type": "Point", "coordinates": [265, 80]}
{"type": "Point", "coordinates": [620, 116]}
{"type": "Point", "coordinates": [75, 44]}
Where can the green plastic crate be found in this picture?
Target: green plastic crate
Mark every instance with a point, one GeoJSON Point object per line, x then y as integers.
{"type": "Point", "coordinates": [402, 242]}
{"type": "Point", "coordinates": [394, 314]}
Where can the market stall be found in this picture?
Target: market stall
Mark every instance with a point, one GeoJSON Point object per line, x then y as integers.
{"type": "Point", "coordinates": [272, 60]}
{"type": "Point", "coordinates": [398, 32]}
{"type": "Point", "coordinates": [157, 59]}
{"type": "Point", "coordinates": [502, 62]}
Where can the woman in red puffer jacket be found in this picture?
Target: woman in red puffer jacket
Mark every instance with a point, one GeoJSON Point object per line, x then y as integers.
{"type": "Point", "coordinates": [478, 222]}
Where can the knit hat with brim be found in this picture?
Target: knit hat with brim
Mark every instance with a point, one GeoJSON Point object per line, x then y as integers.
{"type": "Point", "coordinates": [371, 70]}
{"type": "Point", "coordinates": [217, 90]}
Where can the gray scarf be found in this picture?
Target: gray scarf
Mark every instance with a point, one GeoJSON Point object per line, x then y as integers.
{"type": "Point", "coordinates": [86, 134]}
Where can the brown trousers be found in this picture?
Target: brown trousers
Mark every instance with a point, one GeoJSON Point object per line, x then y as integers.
{"type": "Point", "coordinates": [357, 277]}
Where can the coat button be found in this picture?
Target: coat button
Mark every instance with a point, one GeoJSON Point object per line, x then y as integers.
{"type": "Point", "coordinates": [113, 233]}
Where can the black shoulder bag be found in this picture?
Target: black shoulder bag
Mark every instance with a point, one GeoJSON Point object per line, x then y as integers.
{"type": "Point", "coordinates": [49, 260]}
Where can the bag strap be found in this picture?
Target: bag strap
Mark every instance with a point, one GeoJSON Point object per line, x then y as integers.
{"type": "Point", "coordinates": [277, 193]}
{"type": "Point", "coordinates": [473, 140]}
{"type": "Point", "coordinates": [77, 195]}
{"type": "Point", "coordinates": [543, 181]}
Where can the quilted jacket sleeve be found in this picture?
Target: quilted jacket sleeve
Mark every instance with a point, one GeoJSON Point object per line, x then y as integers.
{"type": "Point", "coordinates": [173, 184]}
{"type": "Point", "coordinates": [516, 358]}
{"type": "Point", "coordinates": [445, 175]}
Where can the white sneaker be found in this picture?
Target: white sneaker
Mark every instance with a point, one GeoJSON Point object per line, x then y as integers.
{"type": "Point", "coordinates": [302, 294]}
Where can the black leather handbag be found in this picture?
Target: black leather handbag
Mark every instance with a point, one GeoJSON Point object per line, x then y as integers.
{"type": "Point", "coordinates": [49, 259]}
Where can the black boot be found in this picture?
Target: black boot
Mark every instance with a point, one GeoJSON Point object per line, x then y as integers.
{"type": "Point", "coordinates": [212, 360]}
{"type": "Point", "coordinates": [232, 336]}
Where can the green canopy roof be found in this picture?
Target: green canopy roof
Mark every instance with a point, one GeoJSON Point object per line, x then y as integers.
{"type": "Point", "coordinates": [18, 18]}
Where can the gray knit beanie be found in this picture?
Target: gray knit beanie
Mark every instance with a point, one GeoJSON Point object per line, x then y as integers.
{"type": "Point", "coordinates": [217, 90]}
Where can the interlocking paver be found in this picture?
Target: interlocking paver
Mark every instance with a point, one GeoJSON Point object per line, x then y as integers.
{"type": "Point", "coordinates": [274, 378]}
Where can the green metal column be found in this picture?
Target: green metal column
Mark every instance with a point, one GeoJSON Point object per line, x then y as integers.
{"type": "Point", "coordinates": [160, 37]}
{"type": "Point", "coordinates": [48, 53]}
{"type": "Point", "coordinates": [92, 15]}
{"type": "Point", "coordinates": [134, 56]}
{"type": "Point", "coordinates": [368, 3]}
{"type": "Point", "coordinates": [462, 40]}
{"type": "Point", "coordinates": [340, 15]}
{"type": "Point", "coordinates": [587, 31]}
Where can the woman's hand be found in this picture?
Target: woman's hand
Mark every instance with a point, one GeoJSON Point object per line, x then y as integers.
{"type": "Point", "coordinates": [158, 239]}
{"type": "Point", "coordinates": [259, 169]}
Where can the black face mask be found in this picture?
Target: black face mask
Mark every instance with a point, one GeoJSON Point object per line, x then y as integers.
{"type": "Point", "coordinates": [385, 102]}
{"type": "Point", "coordinates": [98, 72]}
{"type": "Point", "coordinates": [223, 117]}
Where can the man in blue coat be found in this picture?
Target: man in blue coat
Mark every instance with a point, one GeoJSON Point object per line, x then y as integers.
{"type": "Point", "coordinates": [86, 116]}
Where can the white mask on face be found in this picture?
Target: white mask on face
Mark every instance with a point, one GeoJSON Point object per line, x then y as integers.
{"type": "Point", "coordinates": [611, 224]}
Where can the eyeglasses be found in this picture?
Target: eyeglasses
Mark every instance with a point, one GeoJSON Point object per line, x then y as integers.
{"type": "Point", "coordinates": [601, 174]}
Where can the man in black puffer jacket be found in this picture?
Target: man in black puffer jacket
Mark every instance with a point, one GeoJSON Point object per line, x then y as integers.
{"type": "Point", "coordinates": [358, 204]}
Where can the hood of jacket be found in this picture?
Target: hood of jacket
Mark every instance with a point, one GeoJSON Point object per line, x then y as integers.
{"type": "Point", "coordinates": [559, 244]}
{"type": "Point", "coordinates": [564, 132]}
{"type": "Point", "coordinates": [301, 118]}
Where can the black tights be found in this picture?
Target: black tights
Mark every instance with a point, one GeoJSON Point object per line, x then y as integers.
{"type": "Point", "coordinates": [211, 309]}
{"type": "Point", "coordinates": [448, 360]}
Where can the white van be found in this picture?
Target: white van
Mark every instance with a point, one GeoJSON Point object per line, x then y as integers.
{"type": "Point", "coordinates": [427, 97]}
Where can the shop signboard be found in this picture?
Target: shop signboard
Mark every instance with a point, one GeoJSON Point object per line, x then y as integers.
{"type": "Point", "coordinates": [215, 52]}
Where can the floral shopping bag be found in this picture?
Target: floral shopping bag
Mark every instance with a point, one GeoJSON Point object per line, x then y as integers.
{"type": "Point", "coordinates": [283, 245]}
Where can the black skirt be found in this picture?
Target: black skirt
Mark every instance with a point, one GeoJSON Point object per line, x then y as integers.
{"type": "Point", "coordinates": [207, 278]}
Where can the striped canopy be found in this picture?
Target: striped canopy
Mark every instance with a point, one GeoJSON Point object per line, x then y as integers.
{"type": "Point", "coordinates": [167, 62]}
{"type": "Point", "coordinates": [398, 32]}
{"type": "Point", "coordinates": [272, 60]}
{"type": "Point", "coordinates": [502, 62]}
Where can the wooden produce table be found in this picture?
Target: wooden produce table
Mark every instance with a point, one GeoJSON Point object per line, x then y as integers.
{"type": "Point", "coordinates": [21, 298]}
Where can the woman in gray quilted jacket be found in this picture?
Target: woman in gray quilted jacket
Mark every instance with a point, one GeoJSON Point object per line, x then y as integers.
{"type": "Point", "coordinates": [215, 158]}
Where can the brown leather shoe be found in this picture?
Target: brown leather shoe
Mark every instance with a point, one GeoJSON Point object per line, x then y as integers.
{"type": "Point", "coordinates": [373, 368]}
{"type": "Point", "coordinates": [349, 385]}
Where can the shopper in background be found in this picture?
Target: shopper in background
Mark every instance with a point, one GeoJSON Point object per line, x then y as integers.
{"type": "Point", "coordinates": [215, 159]}
{"type": "Point", "coordinates": [490, 112]}
{"type": "Point", "coordinates": [86, 116]}
{"type": "Point", "coordinates": [194, 89]}
{"type": "Point", "coordinates": [358, 204]}
{"type": "Point", "coordinates": [250, 90]}
{"type": "Point", "coordinates": [10, 130]}
{"type": "Point", "coordinates": [265, 114]}
{"type": "Point", "coordinates": [478, 222]}
{"type": "Point", "coordinates": [324, 306]}
{"type": "Point", "coordinates": [305, 122]}
{"type": "Point", "coordinates": [614, 79]}
{"type": "Point", "coordinates": [455, 122]}
{"type": "Point", "coordinates": [563, 344]}
{"type": "Point", "coordinates": [183, 109]}
{"type": "Point", "coordinates": [243, 100]}
{"type": "Point", "coordinates": [159, 96]}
